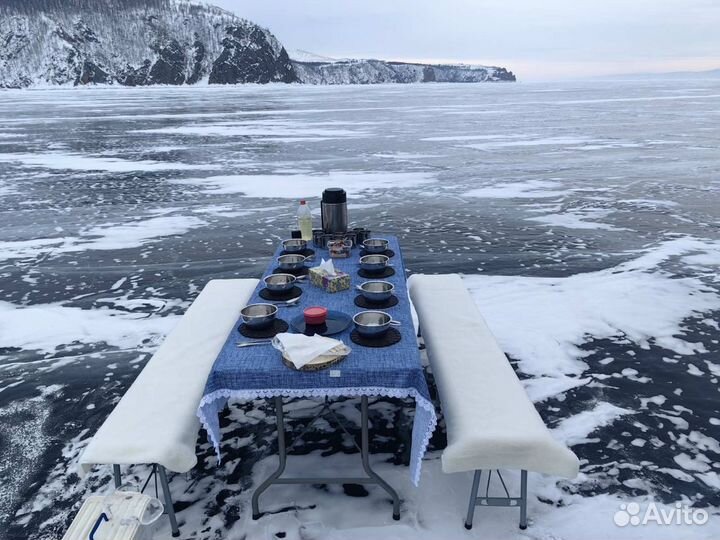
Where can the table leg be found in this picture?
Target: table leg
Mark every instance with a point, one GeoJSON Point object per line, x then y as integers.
{"type": "Point", "coordinates": [282, 455]}
{"type": "Point", "coordinates": [366, 460]}
{"type": "Point", "coordinates": [372, 478]}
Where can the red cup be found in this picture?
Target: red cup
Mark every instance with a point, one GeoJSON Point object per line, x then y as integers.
{"type": "Point", "coordinates": [315, 315]}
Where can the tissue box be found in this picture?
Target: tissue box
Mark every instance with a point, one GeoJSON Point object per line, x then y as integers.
{"type": "Point", "coordinates": [332, 284]}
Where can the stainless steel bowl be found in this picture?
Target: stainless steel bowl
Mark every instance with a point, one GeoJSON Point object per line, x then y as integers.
{"type": "Point", "coordinates": [376, 291]}
{"type": "Point", "coordinates": [375, 245]}
{"type": "Point", "coordinates": [294, 245]}
{"type": "Point", "coordinates": [279, 282]}
{"type": "Point", "coordinates": [373, 323]}
{"type": "Point", "coordinates": [374, 263]}
{"type": "Point", "coordinates": [258, 315]}
{"type": "Point", "coordinates": [291, 262]}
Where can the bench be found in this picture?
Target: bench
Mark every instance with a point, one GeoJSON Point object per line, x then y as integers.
{"type": "Point", "coordinates": [491, 423]}
{"type": "Point", "coordinates": [155, 422]}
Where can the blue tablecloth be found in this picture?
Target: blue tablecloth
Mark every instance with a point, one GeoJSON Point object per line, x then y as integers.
{"type": "Point", "coordinates": [395, 371]}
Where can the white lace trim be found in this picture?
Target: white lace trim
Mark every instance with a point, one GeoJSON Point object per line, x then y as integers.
{"type": "Point", "coordinates": [420, 400]}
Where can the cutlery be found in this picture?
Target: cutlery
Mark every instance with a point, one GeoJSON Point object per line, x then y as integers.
{"type": "Point", "coordinates": [287, 303]}
{"type": "Point", "coordinates": [241, 344]}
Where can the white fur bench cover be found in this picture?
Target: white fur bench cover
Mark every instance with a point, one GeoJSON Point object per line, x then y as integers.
{"type": "Point", "coordinates": [491, 423]}
{"type": "Point", "coordinates": [156, 420]}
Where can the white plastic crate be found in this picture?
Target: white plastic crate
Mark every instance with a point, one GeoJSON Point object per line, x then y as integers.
{"type": "Point", "coordinates": [124, 515]}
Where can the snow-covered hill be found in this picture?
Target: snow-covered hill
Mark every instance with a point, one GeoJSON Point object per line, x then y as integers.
{"type": "Point", "coordinates": [133, 43]}
{"type": "Point", "coordinates": [381, 71]}
{"type": "Point", "coordinates": [145, 42]}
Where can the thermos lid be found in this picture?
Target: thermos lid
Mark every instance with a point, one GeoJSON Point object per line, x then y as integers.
{"type": "Point", "coordinates": [334, 195]}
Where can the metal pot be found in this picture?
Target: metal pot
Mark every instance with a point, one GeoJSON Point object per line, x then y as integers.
{"type": "Point", "coordinates": [258, 315]}
{"type": "Point", "coordinates": [373, 323]}
{"type": "Point", "coordinates": [376, 291]}
{"type": "Point", "coordinates": [291, 262]}
{"type": "Point", "coordinates": [376, 245]}
{"type": "Point", "coordinates": [294, 245]}
{"type": "Point", "coordinates": [374, 263]}
{"type": "Point", "coordinates": [279, 282]}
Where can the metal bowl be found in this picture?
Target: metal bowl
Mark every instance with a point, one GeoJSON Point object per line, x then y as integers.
{"type": "Point", "coordinates": [376, 245]}
{"type": "Point", "coordinates": [374, 263]}
{"type": "Point", "coordinates": [291, 262]}
{"type": "Point", "coordinates": [258, 315]}
{"type": "Point", "coordinates": [294, 245]}
{"type": "Point", "coordinates": [376, 291]}
{"type": "Point", "coordinates": [279, 282]}
{"type": "Point", "coordinates": [372, 323]}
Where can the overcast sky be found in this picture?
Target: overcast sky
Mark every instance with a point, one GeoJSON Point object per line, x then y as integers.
{"type": "Point", "coordinates": [538, 39]}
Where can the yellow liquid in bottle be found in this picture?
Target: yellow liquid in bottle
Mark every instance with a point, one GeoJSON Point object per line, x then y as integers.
{"type": "Point", "coordinates": [305, 226]}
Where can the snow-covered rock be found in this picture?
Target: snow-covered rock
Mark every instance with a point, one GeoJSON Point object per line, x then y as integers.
{"type": "Point", "coordinates": [175, 42]}
{"type": "Point", "coordinates": [381, 71]}
{"type": "Point", "coordinates": [133, 43]}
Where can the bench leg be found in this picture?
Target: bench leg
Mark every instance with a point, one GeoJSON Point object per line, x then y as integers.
{"type": "Point", "coordinates": [473, 500]}
{"type": "Point", "coordinates": [523, 501]}
{"type": "Point", "coordinates": [116, 475]}
{"type": "Point", "coordinates": [168, 501]}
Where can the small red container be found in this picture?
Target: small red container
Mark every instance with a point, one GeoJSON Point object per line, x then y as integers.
{"type": "Point", "coordinates": [315, 315]}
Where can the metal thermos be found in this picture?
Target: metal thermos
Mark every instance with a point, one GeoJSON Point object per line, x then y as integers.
{"type": "Point", "coordinates": [333, 209]}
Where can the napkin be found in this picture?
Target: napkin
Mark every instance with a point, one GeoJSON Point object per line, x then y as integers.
{"type": "Point", "coordinates": [328, 267]}
{"type": "Point", "coordinates": [301, 349]}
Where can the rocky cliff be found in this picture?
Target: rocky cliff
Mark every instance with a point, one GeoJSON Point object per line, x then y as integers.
{"type": "Point", "coordinates": [134, 43]}
{"type": "Point", "coordinates": [175, 42]}
{"type": "Point", "coordinates": [380, 71]}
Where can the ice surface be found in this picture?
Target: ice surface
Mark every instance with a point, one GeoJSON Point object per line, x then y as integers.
{"type": "Point", "coordinates": [544, 321]}
{"type": "Point", "coordinates": [531, 189]}
{"type": "Point", "coordinates": [79, 162]}
{"type": "Point", "coordinates": [296, 186]}
{"type": "Point", "coordinates": [102, 237]}
{"type": "Point", "coordinates": [584, 217]}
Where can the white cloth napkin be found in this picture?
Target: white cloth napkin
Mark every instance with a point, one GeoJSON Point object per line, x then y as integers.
{"type": "Point", "coordinates": [301, 349]}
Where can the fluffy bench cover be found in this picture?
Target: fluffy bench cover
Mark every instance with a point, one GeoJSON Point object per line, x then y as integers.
{"type": "Point", "coordinates": [156, 421]}
{"type": "Point", "coordinates": [491, 423]}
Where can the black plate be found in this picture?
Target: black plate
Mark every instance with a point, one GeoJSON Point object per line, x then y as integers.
{"type": "Point", "coordinates": [361, 301]}
{"type": "Point", "coordinates": [278, 326]}
{"type": "Point", "coordinates": [391, 337]}
{"type": "Point", "coordinates": [267, 294]}
{"type": "Point", "coordinates": [307, 252]}
{"type": "Point", "coordinates": [297, 273]}
{"type": "Point", "coordinates": [336, 322]}
{"type": "Point", "coordinates": [389, 253]}
{"type": "Point", "coordinates": [385, 272]}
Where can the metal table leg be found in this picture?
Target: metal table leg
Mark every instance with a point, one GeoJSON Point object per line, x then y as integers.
{"type": "Point", "coordinates": [366, 460]}
{"type": "Point", "coordinates": [372, 478]}
{"type": "Point", "coordinates": [281, 454]}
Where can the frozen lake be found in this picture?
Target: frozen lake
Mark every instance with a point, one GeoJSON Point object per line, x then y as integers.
{"type": "Point", "coordinates": [585, 216]}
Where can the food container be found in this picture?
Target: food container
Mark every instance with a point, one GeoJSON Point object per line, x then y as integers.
{"type": "Point", "coordinates": [294, 245]}
{"type": "Point", "coordinates": [373, 324]}
{"type": "Point", "coordinates": [376, 245]}
{"type": "Point", "coordinates": [258, 315]}
{"type": "Point", "coordinates": [278, 283]}
{"type": "Point", "coordinates": [315, 315]}
{"type": "Point", "coordinates": [339, 249]}
{"type": "Point", "coordinates": [374, 263]}
{"type": "Point", "coordinates": [376, 291]}
{"type": "Point", "coordinates": [291, 262]}
{"type": "Point", "coordinates": [339, 281]}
